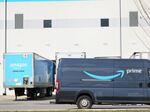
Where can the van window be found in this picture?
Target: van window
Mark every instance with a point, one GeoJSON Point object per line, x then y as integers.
{"type": "Point", "coordinates": [149, 72]}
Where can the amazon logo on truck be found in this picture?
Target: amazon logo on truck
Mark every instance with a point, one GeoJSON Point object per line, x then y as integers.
{"type": "Point", "coordinates": [119, 73]}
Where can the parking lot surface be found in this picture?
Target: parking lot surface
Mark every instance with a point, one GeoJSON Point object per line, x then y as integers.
{"type": "Point", "coordinates": [7, 103]}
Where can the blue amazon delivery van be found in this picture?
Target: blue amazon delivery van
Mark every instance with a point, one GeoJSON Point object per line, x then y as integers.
{"type": "Point", "coordinates": [95, 81]}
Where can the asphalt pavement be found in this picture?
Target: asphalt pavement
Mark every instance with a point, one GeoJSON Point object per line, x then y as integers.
{"type": "Point", "coordinates": [7, 103]}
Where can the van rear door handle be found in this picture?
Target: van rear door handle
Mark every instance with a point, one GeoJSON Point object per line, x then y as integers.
{"type": "Point", "coordinates": [148, 85]}
{"type": "Point", "coordinates": [140, 85]}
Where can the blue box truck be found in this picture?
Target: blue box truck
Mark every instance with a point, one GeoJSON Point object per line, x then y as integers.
{"type": "Point", "coordinates": [28, 73]}
{"type": "Point", "coordinates": [95, 81]}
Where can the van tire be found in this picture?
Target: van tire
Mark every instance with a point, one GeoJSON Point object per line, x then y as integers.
{"type": "Point", "coordinates": [84, 102]}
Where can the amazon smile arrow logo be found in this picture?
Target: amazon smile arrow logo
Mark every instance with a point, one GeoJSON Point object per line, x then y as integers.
{"type": "Point", "coordinates": [120, 73]}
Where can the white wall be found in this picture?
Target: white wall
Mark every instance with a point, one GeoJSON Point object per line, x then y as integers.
{"type": "Point", "coordinates": [75, 28]}
{"type": "Point", "coordinates": [135, 39]}
{"type": "Point", "coordinates": [1, 45]}
{"type": "Point", "coordinates": [67, 37]}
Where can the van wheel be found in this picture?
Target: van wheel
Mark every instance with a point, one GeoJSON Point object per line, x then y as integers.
{"type": "Point", "coordinates": [84, 102]}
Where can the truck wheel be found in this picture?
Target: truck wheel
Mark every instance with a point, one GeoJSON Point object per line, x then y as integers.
{"type": "Point", "coordinates": [48, 92]}
{"type": "Point", "coordinates": [84, 102]}
{"type": "Point", "coordinates": [31, 94]}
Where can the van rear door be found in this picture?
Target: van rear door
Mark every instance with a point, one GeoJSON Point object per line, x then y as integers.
{"type": "Point", "coordinates": [147, 79]}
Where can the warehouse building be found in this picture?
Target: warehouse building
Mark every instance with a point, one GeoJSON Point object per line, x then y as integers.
{"type": "Point", "coordinates": [99, 28]}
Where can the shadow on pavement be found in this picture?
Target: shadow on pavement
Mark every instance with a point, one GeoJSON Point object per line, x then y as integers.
{"type": "Point", "coordinates": [38, 98]}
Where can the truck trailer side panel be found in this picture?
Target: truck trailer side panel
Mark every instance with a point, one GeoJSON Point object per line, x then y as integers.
{"type": "Point", "coordinates": [43, 72]}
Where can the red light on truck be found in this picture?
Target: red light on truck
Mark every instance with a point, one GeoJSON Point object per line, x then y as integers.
{"type": "Point", "coordinates": [57, 85]}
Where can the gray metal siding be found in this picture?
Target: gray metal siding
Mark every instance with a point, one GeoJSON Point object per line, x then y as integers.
{"type": "Point", "coordinates": [133, 18]}
{"type": "Point", "coordinates": [18, 21]}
